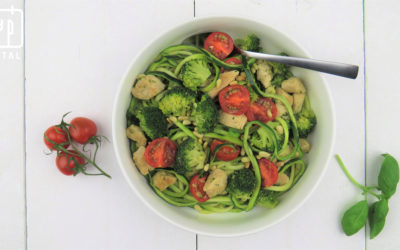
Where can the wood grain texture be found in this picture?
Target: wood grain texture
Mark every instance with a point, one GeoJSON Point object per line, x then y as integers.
{"type": "Point", "coordinates": [328, 30]}
{"type": "Point", "coordinates": [12, 137]}
{"type": "Point", "coordinates": [382, 53]}
{"type": "Point", "coordinates": [77, 52]}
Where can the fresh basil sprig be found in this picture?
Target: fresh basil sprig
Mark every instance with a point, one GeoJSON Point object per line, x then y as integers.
{"type": "Point", "coordinates": [356, 216]}
{"type": "Point", "coordinates": [388, 176]}
{"type": "Point", "coordinates": [377, 217]}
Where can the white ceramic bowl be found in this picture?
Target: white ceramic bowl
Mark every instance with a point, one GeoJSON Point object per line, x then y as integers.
{"type": "Point", "coordinates": [229, 224]}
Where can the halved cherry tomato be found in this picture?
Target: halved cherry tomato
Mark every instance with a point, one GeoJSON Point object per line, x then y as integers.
{"type": "Point", "coordinates": [82, 129]}
{"type": "Point", "coordinates": [264, 110]}
{"type": "Point", "coordinates": [66, 162]}
{"type": "Point", "coordinates": [269, 172]}
{"type": "Point", "coordinates": [219, 44]}
{"type": "Point", "coordinates": [231, 60]}
{"type": "Point", "coordinates": [196, 186]}
{"type": "Point", "coordinates": [234, 99]}
{"type": "Point", "coordinates": [56, 135]}
{"type": "Point", "coordinates": [225, 153]}
{"type": "Point", "coordinates": [160, 153]}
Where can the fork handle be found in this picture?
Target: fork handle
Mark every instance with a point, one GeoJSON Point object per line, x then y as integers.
{"type": "Point", "coordinates": [334, 68]}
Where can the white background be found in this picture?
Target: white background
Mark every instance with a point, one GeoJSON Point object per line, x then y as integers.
{"type": "Point", "coordinates": [75, 54]}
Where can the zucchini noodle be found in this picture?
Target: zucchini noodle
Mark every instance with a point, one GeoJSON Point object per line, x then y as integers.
{"type": "Point", "coordinates": [295, 174]}
{"type": "Point", "coordinates": [277, 144]}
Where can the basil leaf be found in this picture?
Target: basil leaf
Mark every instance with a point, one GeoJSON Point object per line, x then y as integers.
{"type": "Point", "coordinates": [388, 176]}
{"type": "Point", "coordinates": [377, 217]}
{"type": "Point", "coordinates": [355, 218]}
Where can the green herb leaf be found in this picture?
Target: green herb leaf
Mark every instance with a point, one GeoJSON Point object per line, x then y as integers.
{"type": "Point", "coordinates": [355, 218]}
{"type": "Point", "coordinates": [388, 176]}
{"type": "Point", "coordinates": [377, 217]}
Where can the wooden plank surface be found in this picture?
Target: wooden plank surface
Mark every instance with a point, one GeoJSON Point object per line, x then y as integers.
{"type": "Point", "coordinates": [12, 137]}
{"type": "Point", "coordinates": [77, 52]}
{"type": "Point", "coordinates": [382, 53]}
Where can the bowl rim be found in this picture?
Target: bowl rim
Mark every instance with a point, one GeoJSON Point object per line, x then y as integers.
{"type": "Point", "coordinates": [199, 231]}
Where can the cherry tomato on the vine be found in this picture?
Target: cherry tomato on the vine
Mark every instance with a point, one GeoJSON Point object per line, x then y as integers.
{"type": "Point", "coordinates": [82, 129]}
{"type": "Point", "coordinates": [66, 162]}
{"type": "Point", "coordinates": [55, 135]}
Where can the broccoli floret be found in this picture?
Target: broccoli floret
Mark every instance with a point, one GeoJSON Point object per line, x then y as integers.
{"type": "Point", "coordinates": [177, 101]}
{"type": "Point", "coordinates": [205, 114]}
{"type": "Point", "coordinates": [195, 73]}
{"type": "Point", "coordinates": [306, 119]}
{"type": "Point", "coordinates": [132, 111]}
{"type": "Point", "coordinates": [190, 157]}
{"type": "Point", "coordinates": [250, 42]}
{"type": "Point", "coordinates": [152, 122]}
{"type": "Point", "coordinates": [262, 139]}
{"type": "Point", "coordinates": [267, 199]}
{"type": "Point", "coordinates": [281, 72]}
{"type": "Point", "coordinates": [135, 106]}
{"type": "Point", "coordinates": [241, 184]}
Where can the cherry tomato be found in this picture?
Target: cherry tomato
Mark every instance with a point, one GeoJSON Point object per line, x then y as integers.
{"type": "Point", "coordinates": [82, 129]}
{"type": "Point", "coordinates": [264, 110]}
{"type": "Point", "coordinates": [66, 164]}
{"type": "Point", "coordinates": [234, 99]}
{"type": "Point", "coordinates": [219, 44]}
{"type": "Point", "coordinates": [231, 60]}
{"type": "Point", "coordinates": [160, 153]}
{"type": "Point", "coordinates": [56, 135]}
{"type": "Point", "coordinates": [225, 153]}
{"type": "Point", "coordinates": [269, 172]}
{"type": "Point", "coordinates": [196, 186]}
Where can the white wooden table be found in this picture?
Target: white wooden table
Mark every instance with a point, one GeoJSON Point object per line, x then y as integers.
{"type": "Point", "coordinates": [74, 56]}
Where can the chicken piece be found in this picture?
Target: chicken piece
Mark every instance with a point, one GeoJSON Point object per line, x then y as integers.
{"type": "Point", "coordinates": [264, 73]}
{"type": "Point", "coordinates": [283, 93]}
{"type": "Point", "coordinates": [163, 179]}
{"type": "Point", "coordinates": [226, 78]}
{"type": "Point", "coordinates": [216, 183]}
{"type": "Point", "coordinates": [282, 179]}
{"type": "Point", "coordinates": [136, 134]}
{"type": "Point", "coordinates": [293, 85]}
{"type": "Point", "coordinates": [234, 121]}
{"type": "Point", "coordinates": [140, 161]}
{"type": "Point", "coordinates": [147, 87]}
{"type": "Point", "coordinates": [298, 100]}
{"type": "Point", "coordinates": [287, 151]}
{"type": "Point", "coordinates": [304, 145]}
{"type": "Point", "coordinates": [281, 109]}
